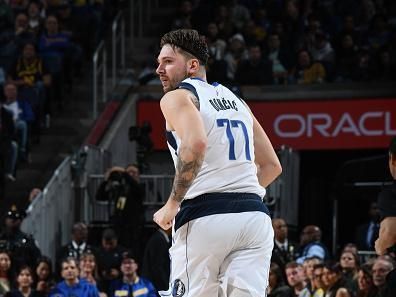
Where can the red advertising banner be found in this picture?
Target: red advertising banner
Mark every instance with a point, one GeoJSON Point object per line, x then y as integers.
{"type": "Point", "coordinates": [308, 125]}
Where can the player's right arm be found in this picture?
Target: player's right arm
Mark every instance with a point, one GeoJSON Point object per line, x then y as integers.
{"type": "Point", "coordinates": [268, 164]}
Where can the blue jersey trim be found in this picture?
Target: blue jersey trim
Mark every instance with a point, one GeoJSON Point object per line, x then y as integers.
{"type": "Point", "coordinates": [171, 140]}
{"type": "Point", "coordinates": [189, 87]}
{"type": "Point", "coordinates": [198, 78]}
{"type": "Point", "coordinates": [215, 84]}
{"type": "Point", "coordinates": [218, 203]}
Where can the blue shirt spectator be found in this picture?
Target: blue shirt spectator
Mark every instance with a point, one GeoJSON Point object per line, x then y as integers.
{"type": "Point", "coordinates": [72, 285]}
{"type": "Point", "coordinates": [131, 284]}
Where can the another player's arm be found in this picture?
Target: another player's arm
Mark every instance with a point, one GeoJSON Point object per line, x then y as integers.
{"type": "Point", "coordinates": [182, 115]}
{"type": "Point", "coordinates": [387, 235]}
{"type": "Point", "coordinates": [269, 167]}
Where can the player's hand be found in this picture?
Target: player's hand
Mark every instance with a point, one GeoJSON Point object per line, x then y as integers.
{"type": "Point", "coordinates": [164, 217]}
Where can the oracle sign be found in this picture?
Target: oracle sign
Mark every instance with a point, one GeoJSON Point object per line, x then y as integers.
{"type": "Point", "coordinates": [326, 126]}
{"type": "Point", "coordinates": [336, 124]}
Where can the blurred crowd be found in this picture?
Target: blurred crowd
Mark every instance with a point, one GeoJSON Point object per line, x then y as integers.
{"type": "Point", "coordinates": [278, 42]}
{"type": "Point", "coordinates": [126, 259]}
{"type": "Point", "coordinates": [43, 45]}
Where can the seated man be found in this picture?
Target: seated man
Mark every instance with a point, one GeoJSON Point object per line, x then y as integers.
{"type": "Point", "coordinates": [131, 284]}
{"type": "Point", "coordinates": [22, 114]}
{"type": "Point", "coordinates": [71, 284]}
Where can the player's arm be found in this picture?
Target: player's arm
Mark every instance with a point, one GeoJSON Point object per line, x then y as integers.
{"type": "Point", "coordinates": [269, 167]}
{"type": "Point", "coordinates": [183, 117]}
{"type": "Point", "coordinates": [387, 235]}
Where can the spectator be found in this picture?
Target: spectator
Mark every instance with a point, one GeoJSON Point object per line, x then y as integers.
{"type": "Point", "coordinates": [109, 258]}
{"type": "Point", "coordinates": [54, 44]}
{"type": "Point", "coordinates": [224, 22]}
{"type": "Point", "coordinates": [89, 271]}
{"type": "Point", "coordinates": [345, 59]}
{"type": "Point", "coordinates": [348, 28]}
{"type": "Point", "coordinates": [306, 71]}
{"type": "Point", "coordinates": [183, 19]}
{"type": "Point", "coordinates": [378, 35]}
{"type": "Point", "coordinates": [71, 284]}
{"type": "Point", "coordinates": [6, 276]}
{"type": "Point", "coordinates": [310, 244]}
{"type": "Point", "coordinates": [381, 267]}
{"type": "Point", "coordinates": [216, 45]}
{"type": "Point", "coordinates": [367, 233]}
{"type": "Point", "coordinates": [293, 25]}
{"type": "Point", "coordinates": [363, 68]}
{"type": "Point", "coordinates": [216, 65]}
{"type": "Point", "coordinates": [8, 147]}
{"type": "Point", "coordinates": [23, 246]}
{"type": "Point", "coordinates": [349, 263]}
{"type": "Point", "coordinates": [236, 53]}
{"type": "Point", "coordinates": [131, 283]}
{"type": "Point", "coordinates": [276, 283]}
{"type": "Point", "coordinates": [78, 245]}
{"type": "Point", "coordinates": [22, 115]}
{"type": "Point", "coordinates": [24, 281]}
{"type": "Point", "coordinates": [308, 265]}
{"type": "Point", "coordinates": [21, 31]}
{"type": "Point", "coordinates": [386, 68]}
{"type": "Point", "coordinates": [123, 191]}
{"type": "Point", "coordinates": [32, 79]}
{"type": "Point", "coordinates": [284, 249]}
{"type": "Point", "coordinates": [281, 61]}
{"type": "Point", "coordinates": [318, 286]}
{"type": "Point", "coordinates": [295, 277]}
{"type": "Point", "coordinates": [156, 261]}
{"type": "Point", "coordinates": [366, 286]}
{"type": "Point", "coordinates": [45, 280]}
{"type": "Point", "coordinates": [6, 18]}
{"type": "Point", "coordinates": [334, 281]}
{"type": "Point", "coordinates": [36, 22]}
{"type": "Point", "coordinates": [254, 70]}
{"type": "Point", "coordinates": [323, 52]}
{"type": "Point", "coordinates": [239, 14]}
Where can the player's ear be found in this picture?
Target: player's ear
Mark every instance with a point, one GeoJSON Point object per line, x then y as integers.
{"type": "Point", "coordinates": [193, 66]}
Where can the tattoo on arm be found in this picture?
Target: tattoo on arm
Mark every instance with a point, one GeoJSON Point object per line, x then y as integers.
{"type": "Point", "coordinates": [186, 171]}
{"type": "Point", "coordinates": [194, 100]}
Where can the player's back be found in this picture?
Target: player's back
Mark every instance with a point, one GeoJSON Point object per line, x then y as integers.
{"type": "Point", "coordinates": [229, 160]}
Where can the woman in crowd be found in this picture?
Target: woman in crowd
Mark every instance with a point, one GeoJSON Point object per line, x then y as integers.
{"type": "Point", "coordinates": [5, 272]}
{"type": "Point", "coordinates": [44, 275]}
{"type": "Point", "coordinates": [366, 286]}
{"type": "Point", "coordinates": [350, 264]}
{"type": "Point", "coordinates": [24, 281]}
{"type": "Point", "coordinates": [89, 270]}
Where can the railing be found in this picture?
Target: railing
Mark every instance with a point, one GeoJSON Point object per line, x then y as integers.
{"type": "Point", "coordinates": [52, 214]}
{"type": "Point", "coordinates": [99, 60]}
{"type": "Point", "coordinates": [117, 45]}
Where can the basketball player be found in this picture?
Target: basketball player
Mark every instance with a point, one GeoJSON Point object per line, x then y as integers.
{"type": "Point", "coordinates": [223, 235]}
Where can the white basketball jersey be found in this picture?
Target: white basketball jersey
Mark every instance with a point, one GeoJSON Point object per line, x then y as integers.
{"type": "Point", "coordinates": [228, 165]}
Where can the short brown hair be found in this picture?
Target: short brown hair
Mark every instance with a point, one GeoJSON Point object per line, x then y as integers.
{"type": "Point", "coordinates": [189, 41]}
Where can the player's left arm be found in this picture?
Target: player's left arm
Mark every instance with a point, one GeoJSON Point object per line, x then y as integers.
{"type": "Point", "coordinates": [182, 116]}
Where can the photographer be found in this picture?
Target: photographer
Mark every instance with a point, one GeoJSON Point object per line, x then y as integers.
{"type": "Point", "coordinates": [386, 242]}
{"type": "Point", "coordinates": [125, 196]}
